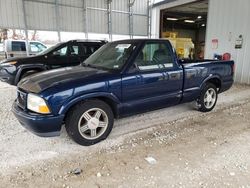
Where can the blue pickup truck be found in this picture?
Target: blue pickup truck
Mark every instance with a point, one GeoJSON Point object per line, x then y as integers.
{"type": "Point", "coordinates": [122, 78]}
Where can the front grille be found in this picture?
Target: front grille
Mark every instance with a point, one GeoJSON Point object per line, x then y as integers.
{"type": "Point", "coordinates": [21, 99]}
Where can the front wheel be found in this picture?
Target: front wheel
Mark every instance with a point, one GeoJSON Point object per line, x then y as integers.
{"type": "Point", "coordinates": [89, 122]}
{"type": "Point", "coordinates": [208, 98]}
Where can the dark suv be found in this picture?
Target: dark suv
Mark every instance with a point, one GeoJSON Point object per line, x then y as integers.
{"type": "Point", "coordinates": [64, 54]}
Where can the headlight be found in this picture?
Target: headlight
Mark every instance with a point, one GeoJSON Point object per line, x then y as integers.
{"type": "Point", "coordinates": [9, 63]}
{"type": "Point", "coordinates": [37, 104]}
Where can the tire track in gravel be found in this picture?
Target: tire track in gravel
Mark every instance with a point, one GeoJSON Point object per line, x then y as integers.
{"type": "Point", "coordinates": [19, 147]}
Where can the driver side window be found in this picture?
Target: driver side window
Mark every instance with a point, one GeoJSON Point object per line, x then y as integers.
{"type": "Point", "coordinates": [154, 56]}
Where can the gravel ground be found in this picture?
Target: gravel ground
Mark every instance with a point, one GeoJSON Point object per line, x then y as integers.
{"type": "Point", "coordinates": [191, 149]}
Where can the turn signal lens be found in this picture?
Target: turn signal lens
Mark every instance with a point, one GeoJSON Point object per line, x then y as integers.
{"type": "Point", "coordinates": [12, 62]}
{"type": "Point", "coordinates": [233, 69]}
{"type": "Point", "coordinates": [44, 110]}
{"type": "Point", "coordinates": [9, 63]}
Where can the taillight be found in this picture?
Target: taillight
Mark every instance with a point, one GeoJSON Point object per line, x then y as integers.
{"type": "Point", "coordinates": [233, 68]}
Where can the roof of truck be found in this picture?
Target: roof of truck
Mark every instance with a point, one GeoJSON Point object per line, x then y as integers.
{"type": "Point", "coordinates": [141, 40]}
{"type": "Point", "coordinates": [87, 40]}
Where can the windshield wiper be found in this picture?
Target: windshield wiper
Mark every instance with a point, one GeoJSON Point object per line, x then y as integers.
{"type": "Point", "coordinates": [84, 64]}
{"type": "Point", "coordinates": [89, 65]}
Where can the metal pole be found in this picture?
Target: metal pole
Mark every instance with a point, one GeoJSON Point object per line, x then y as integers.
{"type": "Point", "coordinates": [25, 29]}
{"type": "Point", "coordinates": [57, 20]}
{"type": "Point", "coordinates": [85, 18]}
{"type": "Point", "coordinates": [131, 27]}
{"type": "Point", "coordinates": [109, 20]}
{"type": "Point", "coordinates": [149, 18]}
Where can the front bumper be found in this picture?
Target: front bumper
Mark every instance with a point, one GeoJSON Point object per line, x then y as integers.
{"type": "Point", "coordinates": [41, 125]}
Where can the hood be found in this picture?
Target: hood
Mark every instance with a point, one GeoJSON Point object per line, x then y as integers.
{"type": "Point", "coordinates": [21, 59]}
{"type": "Point", "coordinates": [42, 81]}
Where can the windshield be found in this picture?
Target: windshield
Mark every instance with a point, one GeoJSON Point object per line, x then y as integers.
{"type": "Point", "coordinates": [50, 49]}
{"type": "Point", "coordinates": [111, 56]}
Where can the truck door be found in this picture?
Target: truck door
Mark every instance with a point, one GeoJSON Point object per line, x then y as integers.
{"type": "Point", "coordinates": [59, 57]}
{"type": "Point", "coordinates": [74, 55]}
{"type": "Point", "coordinates": [154, 80]}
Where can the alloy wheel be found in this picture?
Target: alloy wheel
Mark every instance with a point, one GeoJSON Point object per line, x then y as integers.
{"type": "Point", "coordinates": [93, 123]}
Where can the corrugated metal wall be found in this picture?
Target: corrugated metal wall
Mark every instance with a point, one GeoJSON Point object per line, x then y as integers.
{"type": "Point", "coordinates": [40, 15]}
{"type": "Point", "coordinates": [11, 19]}
{"type": "Point", "coordinates": [77, 15]}
{"type": "Point", "coordinates": [227, 19]}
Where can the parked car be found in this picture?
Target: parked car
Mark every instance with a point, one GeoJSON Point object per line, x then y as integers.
{"type": "Point", "coordinates": [122, 78]}
{"type": "Point", "coordinates": [64, 54]}
{"type": "Point", "coordinates": [17, 48]}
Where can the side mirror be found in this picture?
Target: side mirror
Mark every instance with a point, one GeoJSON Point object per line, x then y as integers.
{"type": "Point", "coordinates": [133, 69]}
{"type": "Point", "coordinates": [73, 54]}
{"type": "Point", "coordinates": [181, 61]}
{"type": "Point", "coordinates": [56, 53]}
{"type": "Point", "coordinates": [185, 61]}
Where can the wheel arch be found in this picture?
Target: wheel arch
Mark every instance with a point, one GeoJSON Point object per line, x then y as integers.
{"type": "Point", "coordinates": [109, 99]}
{"type": "Point", "coordinates": [26, 68]}
{"type": "Point", "coordinates": [214, 79]}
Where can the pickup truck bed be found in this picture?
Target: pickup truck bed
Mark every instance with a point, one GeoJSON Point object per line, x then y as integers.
{"type": "Point", "coordinates": [196, 74]}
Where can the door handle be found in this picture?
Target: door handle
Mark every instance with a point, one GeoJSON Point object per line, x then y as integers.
{"type": "Point", "coordinates": [174, 75]}
{"type": "Point", "coordinates": [138, 79]}
{"type": "Point", "coordinates": [163, 77]}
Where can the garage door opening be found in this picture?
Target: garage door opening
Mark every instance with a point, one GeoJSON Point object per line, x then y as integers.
{"type": "Point", "coordinates": [185, 27]}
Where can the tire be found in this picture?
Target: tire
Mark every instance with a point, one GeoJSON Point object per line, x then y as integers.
{"type": "Point", "coordinates": [208, 98]}
{"type": "Point", "coordinates": [89, 122]}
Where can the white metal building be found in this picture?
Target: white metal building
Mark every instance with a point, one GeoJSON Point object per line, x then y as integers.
{"type": "Point", "coordinates": [227, 22]}
{"type": "Point", "coordinates": [123, 17]}
{"type": "Point", "coordinates": [227, 25]}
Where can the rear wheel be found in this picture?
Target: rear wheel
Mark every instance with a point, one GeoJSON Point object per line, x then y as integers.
{"type": "Point", "coordinates": [208, 98]}
{"type": "Point", "coordinates": [89, 122]}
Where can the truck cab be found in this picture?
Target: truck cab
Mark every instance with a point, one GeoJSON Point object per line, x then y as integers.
{"type": "Point", "coordinates": [18, 48]}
